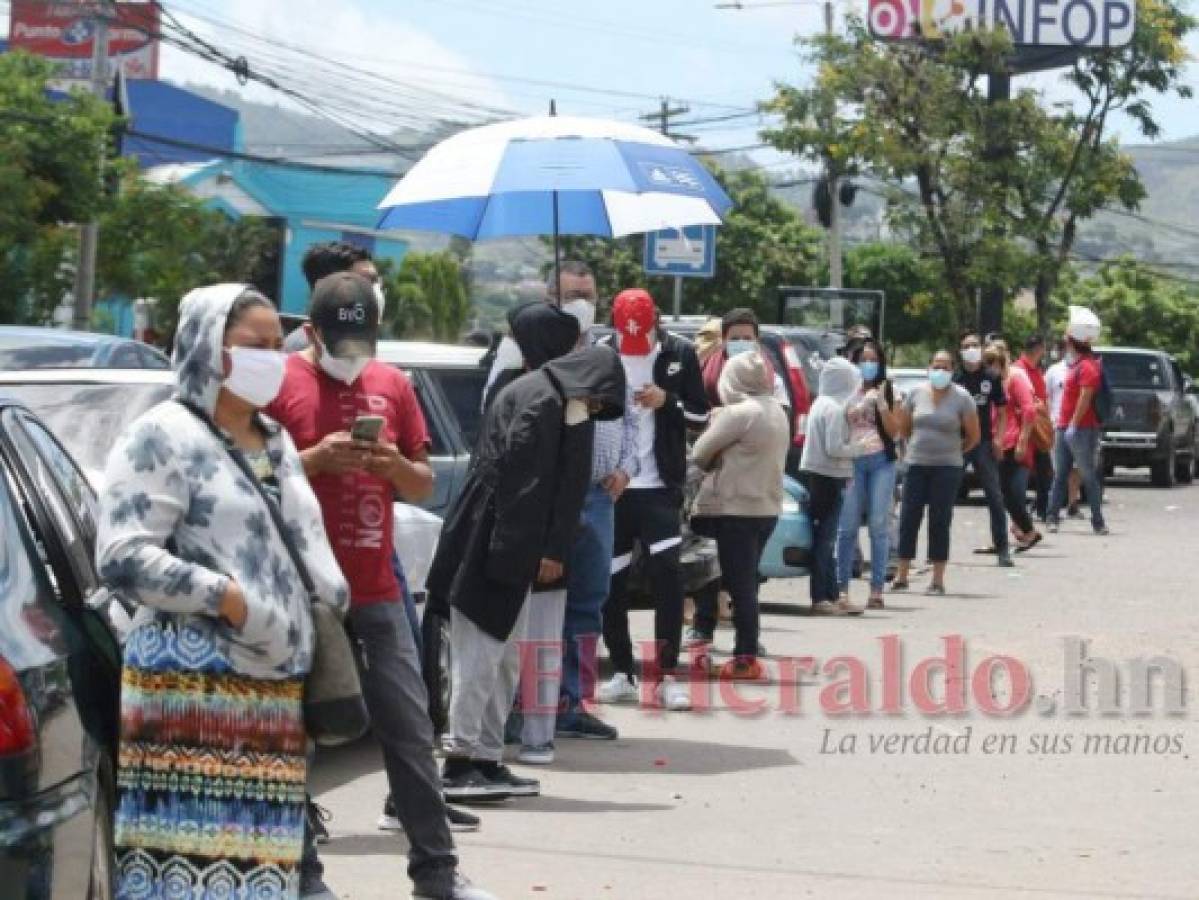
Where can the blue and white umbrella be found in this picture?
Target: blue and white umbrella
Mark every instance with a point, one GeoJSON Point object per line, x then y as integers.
{"type": "Point", "coordinates": [554, 175]}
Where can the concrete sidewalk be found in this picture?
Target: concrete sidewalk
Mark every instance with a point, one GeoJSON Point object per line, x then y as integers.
{"type": "Point", "coordinates": [798, 802]}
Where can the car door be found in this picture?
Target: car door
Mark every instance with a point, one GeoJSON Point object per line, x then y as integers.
{"type": "Point", "coordinates": [73, 684]}
{"type": "Point", "coordinates": [445, 451]}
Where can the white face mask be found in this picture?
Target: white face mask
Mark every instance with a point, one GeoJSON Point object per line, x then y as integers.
{"type": "Point", "coordinates": [343, 370]}
{"type": "Point", "coordinates": [583, 311]}
{"type": "Point", "coordinates": [972, 356]}
{"type": "Point", "coordinates": [255, 376]}
{"type": "Point", "coordinates": [381, 296]}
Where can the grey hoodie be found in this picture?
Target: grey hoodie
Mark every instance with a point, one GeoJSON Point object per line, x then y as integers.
{"type": "Point", "coordinates": [168, 480]}
{"type": "Point", "coordinates": [827, 449]}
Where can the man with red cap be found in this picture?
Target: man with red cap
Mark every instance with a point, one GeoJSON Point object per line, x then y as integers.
{"type": "Point", "coordinates": [665, 397]}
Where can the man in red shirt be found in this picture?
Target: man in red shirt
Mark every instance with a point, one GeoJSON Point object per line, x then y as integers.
{"type": "Point", "coordinates": [329, 386]}
{"type": "Point", "coordinates": [1030, 362]}
{"type": "Point", "coordinates": [1078, 427]}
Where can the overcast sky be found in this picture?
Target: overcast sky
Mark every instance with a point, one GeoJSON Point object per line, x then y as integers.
{"type": "Point", "coordinates": [475, 53]}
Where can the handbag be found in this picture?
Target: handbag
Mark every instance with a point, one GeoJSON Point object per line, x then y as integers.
{"type": "Point", "coordinates": [334, 708]}
{"type": "Point", "coordinates": [1042, 430]}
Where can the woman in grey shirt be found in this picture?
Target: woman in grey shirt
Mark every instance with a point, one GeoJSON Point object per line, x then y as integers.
{"type": "Point", "coordinates": [941, 424]}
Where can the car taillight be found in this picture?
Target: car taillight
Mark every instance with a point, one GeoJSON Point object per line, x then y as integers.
{"type": "Point", "coordinates": [16, 723]}
{"type": "Point", "coordinates": [799, 390]}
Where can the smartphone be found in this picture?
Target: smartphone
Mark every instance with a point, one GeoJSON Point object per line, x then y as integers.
{"type": "Point", "coordinates": [367, 428]}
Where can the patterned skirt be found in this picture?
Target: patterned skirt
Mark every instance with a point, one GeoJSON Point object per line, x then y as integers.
{"type": "Point", "coordinates": [212, 773]}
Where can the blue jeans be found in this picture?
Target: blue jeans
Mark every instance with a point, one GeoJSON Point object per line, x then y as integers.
{"type": "Point", "coordinates": [870, 493]}
{"type": "Point", "coordinates": [588, 576]}
{"type": "Point", "coordinates": [1081, 453]}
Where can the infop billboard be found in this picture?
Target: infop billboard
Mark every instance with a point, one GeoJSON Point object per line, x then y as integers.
{"type": "Point", "coordinates": [64, 33]}
{"type": "Point", "coordinates": [1031, 23]}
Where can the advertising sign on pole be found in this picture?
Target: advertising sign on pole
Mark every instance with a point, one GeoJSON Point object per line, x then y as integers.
{"type": "Point", "coordinates": [1082, 24]}
{"type": "Point", "coordinates": [64, 33]}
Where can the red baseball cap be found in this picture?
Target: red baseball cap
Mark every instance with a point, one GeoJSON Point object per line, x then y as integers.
{"type": "Point", "coordinates": [634, 315]}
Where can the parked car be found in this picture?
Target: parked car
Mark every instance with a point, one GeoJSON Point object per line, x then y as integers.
{"type": "Point", "coordinates": [50, 348]}
{"type": "Point", "coordinates": [60, 666]}
{"type": "Point", "coordinates": [1152, 423]}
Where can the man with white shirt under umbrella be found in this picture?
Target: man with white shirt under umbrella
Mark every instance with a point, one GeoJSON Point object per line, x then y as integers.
{"type": "Point", "coordinates": [666, 398]}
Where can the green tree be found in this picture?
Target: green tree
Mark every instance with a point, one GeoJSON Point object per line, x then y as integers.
{"type": "Point", "coordinates": [49, 177]}
{"type": "Point", "coordinates": [915, 312]}
{"type": "Point", "coordinates": [1138, 308]}
{"type": "Point", "coordinates": [999, 189]}
{"type": "Point", "coordinates": [427, 297]}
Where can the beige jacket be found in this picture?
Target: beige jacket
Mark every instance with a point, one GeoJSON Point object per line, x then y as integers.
{"type": "Point", "coordinates": [744, 449]}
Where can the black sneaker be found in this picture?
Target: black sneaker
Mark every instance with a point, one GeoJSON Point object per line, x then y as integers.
{"type": "Point", "coordinates": [462, 782]}
{"type": "Point", "coordinates": [459, 820]}
{"type": "Point", "coordinates": [582, 724]}
{"type": "Point", "coordinates": [317, 817]}
{"type": "Point", "coordinates": [505, 779]}
{"type": "Point", "coordinates": [313, 887]}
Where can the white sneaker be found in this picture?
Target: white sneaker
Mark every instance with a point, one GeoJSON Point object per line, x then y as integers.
{"type": "Point", "coordinates": [620, 688]}
{"type": "Point", "coordinates": [673, 696]}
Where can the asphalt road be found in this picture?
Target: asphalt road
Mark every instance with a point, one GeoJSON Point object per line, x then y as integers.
{"type": "Point", "coordinates": [799, 800]}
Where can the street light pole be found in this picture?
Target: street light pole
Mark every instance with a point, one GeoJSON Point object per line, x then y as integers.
{"type": "Point", "coordinates": [89, 232]}
{"type": "Point", "coordinates": [834, 191]}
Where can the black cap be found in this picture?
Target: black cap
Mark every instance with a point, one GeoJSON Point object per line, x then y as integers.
{"type": "Point", "coordinates": [345, 312]}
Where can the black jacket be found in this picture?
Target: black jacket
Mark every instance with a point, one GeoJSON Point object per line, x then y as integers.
{"type": "Point", "coordinates": [677, 372]}
{"type": "Point", "coordinates": [525, 489]}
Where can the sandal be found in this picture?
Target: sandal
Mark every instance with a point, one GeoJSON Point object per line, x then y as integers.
{"type": "Point", "coordinates": [875, 603]}
{"type": "Point", "coordinates": [935, 590]}
{"type": "Point", "coordinates": [899, 585]}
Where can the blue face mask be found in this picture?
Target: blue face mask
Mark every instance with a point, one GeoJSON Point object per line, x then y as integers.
{"type": "Point", "coordinates": [737, 347]}
{"type": "Point", "coordinates": [869, 369]}
{"type": "Point", "coordinates": [940, 378]}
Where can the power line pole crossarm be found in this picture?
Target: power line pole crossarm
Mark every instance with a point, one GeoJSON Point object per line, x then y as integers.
{"type": "Point", "coordinates": [89, 232]}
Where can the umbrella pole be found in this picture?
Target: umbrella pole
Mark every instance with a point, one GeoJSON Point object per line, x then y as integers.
{"type": "Point", "coordinates": [557, 252]}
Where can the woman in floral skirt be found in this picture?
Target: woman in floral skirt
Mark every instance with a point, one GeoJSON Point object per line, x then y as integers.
{"type": "Point", "coordinates": [212, 766]}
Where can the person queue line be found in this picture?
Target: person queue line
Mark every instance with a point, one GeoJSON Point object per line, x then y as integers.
{"type": "Point", "coordinates": [582, 461]}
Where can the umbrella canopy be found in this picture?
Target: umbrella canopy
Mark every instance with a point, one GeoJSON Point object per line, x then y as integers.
{"type": "Point", "coordinates": [554, 175]}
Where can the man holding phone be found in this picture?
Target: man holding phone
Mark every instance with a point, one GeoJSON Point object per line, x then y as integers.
{"type": "Point", "coordinates": [363, 441]}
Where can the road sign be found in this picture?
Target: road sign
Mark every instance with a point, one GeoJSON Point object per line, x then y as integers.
{"type": "Point", "coordinates": [1031, 23]}
{"type": "Point", "coordinates": [63, 33]}
{"type": "Point", "coordinates": [690, 254]}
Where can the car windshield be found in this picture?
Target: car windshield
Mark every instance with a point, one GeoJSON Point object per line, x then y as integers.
{"type": "Point", "coordinates": [88, 417]}
{"type": "Point", "coordinates": [1135, 370]}
{"type": "Point", "coordinates": [21, 353]}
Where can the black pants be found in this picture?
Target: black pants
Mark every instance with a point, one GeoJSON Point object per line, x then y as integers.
{"type": "Point", "coordinates": [1014, 478]}
{"type": "Point", "coordinates": [648, 517]}
{"type": "Point", "coordinates": [825, 498]}
{"type": "Point", "coordinates": [1043, 472]}
{"type": "Point", "coordinates": [937, 488]}
{"type": "Point", "coordinates": [740, 541]}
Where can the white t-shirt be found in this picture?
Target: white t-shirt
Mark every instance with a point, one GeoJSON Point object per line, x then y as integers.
{"type": "Point", "coordinates": [639, 371]}
{"type": "Point", "coordinates": [1055, 386]}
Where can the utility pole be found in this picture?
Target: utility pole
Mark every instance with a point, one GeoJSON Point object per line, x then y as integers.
{"type": "Point", "coordinates": [999, 150]}
{"type": "Point", "coordinates": [663, 116]}
{"type": "Point", "coordinates": [661, 119]}
{"type": "Point", "coordinates": [834, 191]}
{"type": "Point", "coordinates": [89, 232]}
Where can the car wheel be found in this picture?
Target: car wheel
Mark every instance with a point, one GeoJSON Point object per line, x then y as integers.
{"type": "Point", "coordinates": [103, 880]}
{"type": "Point", "coordinates": [437, 667]}
{"type": "Point", "coordinates": [1162, 472]}
{"type": "Point", "coordinates": [1184, 471]}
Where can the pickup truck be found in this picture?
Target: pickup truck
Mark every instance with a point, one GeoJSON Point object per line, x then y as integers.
{"type": "Point", "coordinates": [1152, 422]}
